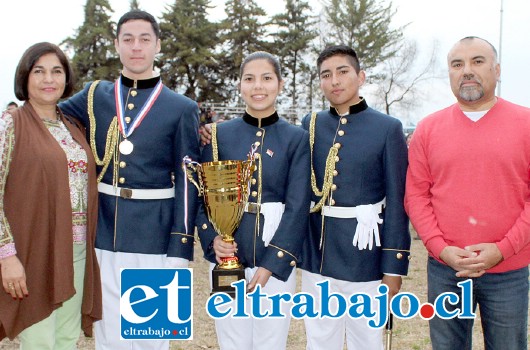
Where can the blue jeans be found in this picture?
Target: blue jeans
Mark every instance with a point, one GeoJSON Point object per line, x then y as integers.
{"type": "Point", "coordinates": [503, 302]}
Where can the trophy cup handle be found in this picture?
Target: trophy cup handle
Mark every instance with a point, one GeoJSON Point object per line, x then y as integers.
{"type": "Point", "coordinates": [194, 167]}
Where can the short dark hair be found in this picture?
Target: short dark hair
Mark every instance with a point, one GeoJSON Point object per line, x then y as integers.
{"type": "Point", "coordinates": [12, 103]}
{"type": "Point", "coordinates": [141, 15]}
{"type": "Point", "coordinates": [27, 62]}
{"type": "Point", "coordinates": [471, 37]}
{"type": "Point", "coordinates": [262, 55]}
{"type": "Point", "coordinates": [339, 50]}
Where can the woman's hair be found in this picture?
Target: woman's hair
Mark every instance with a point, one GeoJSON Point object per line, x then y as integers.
{"type": "Point", "coordinates": [27, 62]}
{"type": "Point", "coordinates": [262, 55]}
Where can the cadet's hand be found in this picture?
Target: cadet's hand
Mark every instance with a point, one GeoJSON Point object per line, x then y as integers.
{"type": "Point", "coordinates": [14, 277]}
{"type": "Point", "coordinates": [206, 133]}
{"type": "Point", "coordinates": [223, 249]}
{"type": "Point", "coordinates": [393, 283]}
{"type": "Point", "coordinates": [261, 277]}
{"type": "Point", "coordinates": [487, 256]}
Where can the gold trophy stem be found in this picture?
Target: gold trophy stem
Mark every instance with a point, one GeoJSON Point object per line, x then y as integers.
{"type": "Point", "coordinates": [231, 262]}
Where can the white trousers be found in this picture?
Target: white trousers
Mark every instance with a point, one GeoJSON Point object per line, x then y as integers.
{"type": "Point", "coordinates": [107, 331]}
{"type": "Point", "coordinates": [257, 334]}
{"type": "Point", "coordinates": [329, 334]}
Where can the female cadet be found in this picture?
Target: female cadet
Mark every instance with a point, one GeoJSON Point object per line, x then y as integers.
{"type": "Point", "coordinates": [269, 238]}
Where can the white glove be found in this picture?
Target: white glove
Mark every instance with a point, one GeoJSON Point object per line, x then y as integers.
{"type": "Point", "coordinates": [176, 263]}
{"type": "Point", "coordinates": [272, 215]}
{"type": "Point", "coordinates": [367, 227]}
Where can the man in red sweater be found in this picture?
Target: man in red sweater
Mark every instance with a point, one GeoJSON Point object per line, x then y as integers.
{"type": "Point", "coordinates": [468, 196]}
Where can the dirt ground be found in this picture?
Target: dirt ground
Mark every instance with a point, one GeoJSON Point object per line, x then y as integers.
{"type": "Point", "coordinates": [408, 335]}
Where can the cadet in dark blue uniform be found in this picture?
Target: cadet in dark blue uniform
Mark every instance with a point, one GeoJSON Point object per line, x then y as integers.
{"type": "Point", "coordinates": [358, 230]}
{"type": "Point", "coordinates": [140, 131]}
{"type": "Point", "coordinates": [269, 239]}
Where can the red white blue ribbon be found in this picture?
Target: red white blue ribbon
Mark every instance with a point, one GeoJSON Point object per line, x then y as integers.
{"type": "Point", "coordinates": [120, 109]}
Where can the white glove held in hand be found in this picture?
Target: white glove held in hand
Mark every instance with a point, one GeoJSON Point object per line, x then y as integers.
{"type": "Point", "coordinates": [367, 227]}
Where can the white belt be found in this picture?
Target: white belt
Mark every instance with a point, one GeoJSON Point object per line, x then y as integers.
{"type": "Point", "coordinates": [350, 212]}
{"type": "Point", "coordinates": [367, 215]}
{"type": "Point", "coordinates": [129, 193]}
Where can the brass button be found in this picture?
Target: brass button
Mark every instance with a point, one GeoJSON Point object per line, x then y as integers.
{"type": "Point", "coordinates": [332, 202]}
{"type": "Point", "coordinates": [204, 226]}
{"type": "Point", "coordinates": [259, 133]}
{"type": "Point", "coordinates": [337, 145]}
{"type": "Point", "coordinates": [254, 194]}
{"type": "Point", "coordinates": [130, 106]}
{"type": "Point", "coordinates": [280, 254]}
{"type": "Point", "coordinates": [123, 164]}
{"type": "Point", "coordinates": [293, 263]}
{"type": "Point", "coordinates": [333, 187]}
{"type": "Point", "coordinates": [409, 257]}
{"type": "Point", "coordinates": [184, 240]}
{"type": "Point", "coordinates": [335, 173]}
{"type": "Point", "coordinates": [134, 93]}
{"type": "Point", "coordinates": [337, 159]}
{"type": "Point", "coordinates": [127, 120]}
{"type": "Point", "coordinates": [399, 256]}
{"type": "Point", "coordinates": [257, 143]}
{"type": "Point", "coordinates": [253, 181]}
{"type": "Point", "coordinates": [121, 180]}
{"type": "Point", "coordinates": [341, 132]}
{"type": "Point", "coordinates": [343, 120]}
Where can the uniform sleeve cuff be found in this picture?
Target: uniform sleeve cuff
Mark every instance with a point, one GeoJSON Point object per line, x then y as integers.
{"type": "Point", "coordinates": [279, 262]}
{"type": "Point", "coordinates": [181, 246]}
{"type": "Point", "coordinates": [395, 262]}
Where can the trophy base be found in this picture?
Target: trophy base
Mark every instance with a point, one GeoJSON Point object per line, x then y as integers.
{"type": "Point", "coordinates": [222, 278]}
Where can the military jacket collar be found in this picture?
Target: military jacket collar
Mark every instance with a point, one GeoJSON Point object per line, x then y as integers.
{"type": "Point", "coordinates": [273, 118]}
{"type": "Point", "coordinates": [356, 108]}
{"type": "Point", "coordinates": [140, 84]}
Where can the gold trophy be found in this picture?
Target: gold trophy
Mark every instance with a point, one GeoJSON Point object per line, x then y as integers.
{"type": "Point", "coordinates": [225, 187]}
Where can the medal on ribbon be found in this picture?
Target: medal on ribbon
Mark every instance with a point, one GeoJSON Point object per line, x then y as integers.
{"type": "Point", "coordinates": [126, 147]}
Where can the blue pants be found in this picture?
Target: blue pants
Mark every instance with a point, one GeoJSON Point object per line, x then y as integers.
{"type": "Point", "coordinates": [503, 302]}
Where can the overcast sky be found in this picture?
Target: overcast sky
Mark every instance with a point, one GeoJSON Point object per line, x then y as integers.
{"type": "Point", "coordinates": [25, 22]}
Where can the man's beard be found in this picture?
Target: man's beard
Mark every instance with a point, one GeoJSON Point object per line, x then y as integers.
{"type": "Point", "coordinates": [472, 93]}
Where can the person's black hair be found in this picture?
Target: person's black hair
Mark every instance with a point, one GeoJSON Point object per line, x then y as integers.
{"type": "Point", "coordinates": [339, 50]}
{"type": "Point", "coordinates": [141, 15]}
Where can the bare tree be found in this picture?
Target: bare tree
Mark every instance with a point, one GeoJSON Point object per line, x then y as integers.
{"type": "Point", "coordinates": [401, 77]}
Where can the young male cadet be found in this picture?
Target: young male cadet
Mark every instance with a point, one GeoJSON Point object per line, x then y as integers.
{"type": "Point", "coordinates": [359, 236]}
{"type": "Point", "coordinates": [140, 130]}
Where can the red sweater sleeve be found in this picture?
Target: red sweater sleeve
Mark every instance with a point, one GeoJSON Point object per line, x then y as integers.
{"type": "Point", "coordinates": [418, 197]}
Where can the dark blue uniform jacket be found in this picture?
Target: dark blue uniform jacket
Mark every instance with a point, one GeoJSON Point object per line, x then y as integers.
{"type": "Point", "coordinates": [284, 156]}
{"type": "Point", "coordinates": [371, 165]}
{"type": "Point", "coordinates": [167, 134]}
